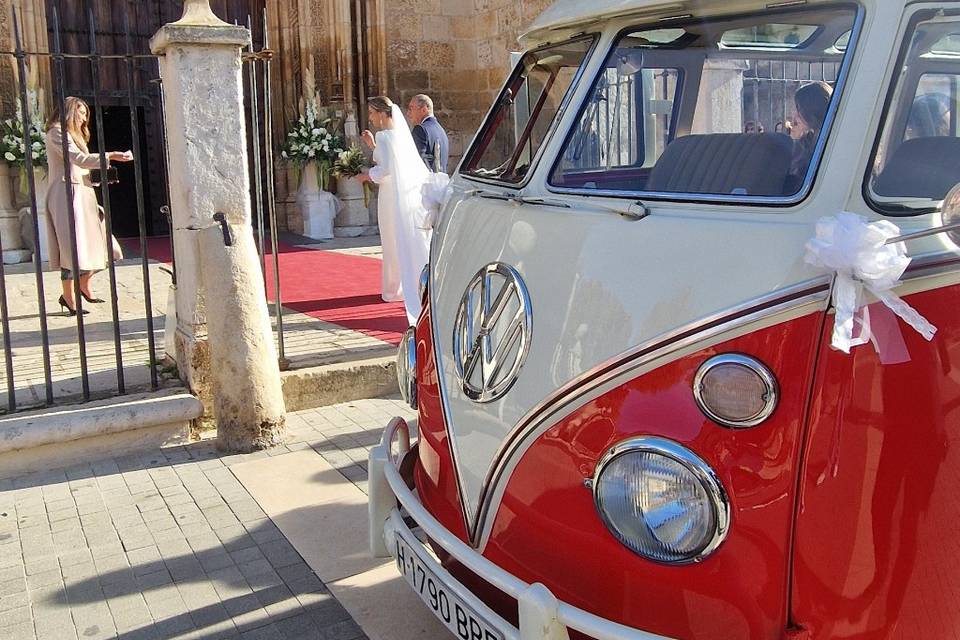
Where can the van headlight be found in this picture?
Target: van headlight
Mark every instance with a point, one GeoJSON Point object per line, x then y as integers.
{"type": "Point", "coordinates": [661, 500]}
{"type": "Point", "coordinates": [407, 367]}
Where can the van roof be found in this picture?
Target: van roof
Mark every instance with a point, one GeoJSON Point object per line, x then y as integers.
{"type": "Point", "coordinates": [566, 17]}
{"type": "Point", "coordinates": [564, 14]}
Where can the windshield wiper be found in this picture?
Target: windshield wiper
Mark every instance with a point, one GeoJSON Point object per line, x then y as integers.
{"type": "Point", "coordinates": [518, 199]}
{"type": "Point", "coordinates": [635, 211]}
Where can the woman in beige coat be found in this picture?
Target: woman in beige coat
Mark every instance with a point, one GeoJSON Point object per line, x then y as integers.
{"type": "Point", "coordinates": [93, 246]}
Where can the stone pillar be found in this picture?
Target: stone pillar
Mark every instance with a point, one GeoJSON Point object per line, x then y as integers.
{"type": "Point", "coordinates": [231, 362]}
{"type": "Point", "coordinates": [722, 90]}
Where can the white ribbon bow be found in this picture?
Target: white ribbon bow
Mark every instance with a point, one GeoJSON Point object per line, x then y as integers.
{"type": "Point", "coordinates": [859, 256]}
{"type": "Point", "coordinates": [435, 193]}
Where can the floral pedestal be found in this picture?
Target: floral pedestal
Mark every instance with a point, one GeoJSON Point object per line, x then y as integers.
{"type": "Point", "coordinates": [354, 218]}
{"type": "Point", "coordinates": [317, 207]}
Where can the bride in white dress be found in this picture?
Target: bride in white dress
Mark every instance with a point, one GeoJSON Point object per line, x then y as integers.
{"type": "Point", "coordinates": [400, 173]}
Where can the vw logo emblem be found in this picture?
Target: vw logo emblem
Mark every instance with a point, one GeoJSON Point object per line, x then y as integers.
{"type": "Point", "coordinates": [491, 335]}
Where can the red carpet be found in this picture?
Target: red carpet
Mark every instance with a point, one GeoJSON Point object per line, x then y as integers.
{"type": "Point", "coordinates": [337, 288]}
{"type": "Point", "coordinates": [334, 287]}
{"type": "Point", "coordinates": [158, 248]}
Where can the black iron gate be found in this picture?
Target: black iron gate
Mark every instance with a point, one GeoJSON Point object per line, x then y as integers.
{"type": "Point", "coordinates": [128, 100]}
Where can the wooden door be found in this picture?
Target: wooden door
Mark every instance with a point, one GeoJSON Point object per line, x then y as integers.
{"type": "Point", "coordinates": [115, 22]}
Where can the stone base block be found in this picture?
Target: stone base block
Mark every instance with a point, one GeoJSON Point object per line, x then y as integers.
{"type": "Point", "coordinates": [193, 364]}
{"type": "Point", "coordinates": [27, 232]}
{"type": "Point", "coordinates": [17, 256]}
{"type": "Point", "coordinates": [356, 232]}
{"type": "Point", "coordinates": [10, 231]}
{"type": "Point", "coordinates": [318, 211]}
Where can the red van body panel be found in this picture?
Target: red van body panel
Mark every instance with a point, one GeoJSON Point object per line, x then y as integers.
{"type": "Point", "coordinates": [877, 554]}
{"type": "Point", "coordinates": [547, 529]}
{"type": "Point", "coordinates": [436, 477]}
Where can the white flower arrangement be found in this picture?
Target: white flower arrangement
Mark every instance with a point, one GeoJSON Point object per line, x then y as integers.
{"type": "Point", "coordinates": [12, 146]}
{"type": "Point", "coordinates": [351, 163]}
{"type": "Point", "coordinates": [314, 137]}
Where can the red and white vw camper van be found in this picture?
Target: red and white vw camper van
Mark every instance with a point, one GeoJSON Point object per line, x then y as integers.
{"type": "Point", "coordinates": [689, 360]}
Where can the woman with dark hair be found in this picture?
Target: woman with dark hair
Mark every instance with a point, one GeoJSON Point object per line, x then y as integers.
{"type": "Point", "coordinates": [92, 245]}
{"type": "Point", "coordinates": [812, 102]}
{"type": "Point", "coordinates": [400, 173]}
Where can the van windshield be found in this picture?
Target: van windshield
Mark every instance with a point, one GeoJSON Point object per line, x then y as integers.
{"type": "Point", "coordinates": [734, 108]}
{"type": "Point", "coordinates": [526, 112]}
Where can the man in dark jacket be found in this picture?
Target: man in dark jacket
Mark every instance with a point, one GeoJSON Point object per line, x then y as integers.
{"type": "Point", "coordinates": [428, 135]}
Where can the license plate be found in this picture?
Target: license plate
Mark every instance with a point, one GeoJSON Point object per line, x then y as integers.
{"type": "Point", "coordinates": [453, 612]}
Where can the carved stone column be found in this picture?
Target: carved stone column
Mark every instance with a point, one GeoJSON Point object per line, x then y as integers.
{"type": "Point", "coordinates": [220, 290]}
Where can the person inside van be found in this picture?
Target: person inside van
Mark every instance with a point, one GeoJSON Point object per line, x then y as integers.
{"type": "Point", "coordinates": [929, 117]}
{"type": "Point", "coordinates": [812, 103]}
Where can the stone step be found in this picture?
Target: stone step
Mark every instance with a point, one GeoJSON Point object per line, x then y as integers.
{"type": "Point", "coordinates": [35, 440]}
{"type": "Point", "coordinates": [320, 386]}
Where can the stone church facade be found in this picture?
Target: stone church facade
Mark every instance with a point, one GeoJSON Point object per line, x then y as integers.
{"type": "Point", "coordinates": [457, 51]}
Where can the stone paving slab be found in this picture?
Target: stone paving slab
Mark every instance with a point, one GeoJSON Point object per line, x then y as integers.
{"type": "Point", "coordinates": [169, 544]}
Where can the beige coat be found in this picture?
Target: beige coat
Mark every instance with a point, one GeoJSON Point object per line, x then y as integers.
{"type": "Point", "coordinates": [91, 231]}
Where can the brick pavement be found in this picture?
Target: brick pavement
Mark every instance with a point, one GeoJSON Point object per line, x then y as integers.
{"type": "Point", "coordinates": [169, 544]}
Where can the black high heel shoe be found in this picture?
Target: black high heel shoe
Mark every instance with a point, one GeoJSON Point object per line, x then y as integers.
{"type": "Point", "coordinates": [67, 309]}
{"type": "Point", "coordinates": [92, 300]}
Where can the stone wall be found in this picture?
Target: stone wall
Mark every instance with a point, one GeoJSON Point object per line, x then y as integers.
{"type": "Point", "coordinates": [458, 52]}
{"type": "Point", "coordinates": [7, 78]}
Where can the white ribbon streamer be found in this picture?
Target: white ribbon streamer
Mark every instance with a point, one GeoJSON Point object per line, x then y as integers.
{"type": "Point", "coordinates": [859, 256]}
{"type": "Point", "coordinates": [436, 192]}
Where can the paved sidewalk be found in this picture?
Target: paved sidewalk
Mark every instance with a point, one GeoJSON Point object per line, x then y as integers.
{"type": "Point", "coordinates": [169, 544]}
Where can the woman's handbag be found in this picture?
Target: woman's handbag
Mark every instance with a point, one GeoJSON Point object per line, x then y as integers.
{"type": "Point", "coordinates": [96, 177]}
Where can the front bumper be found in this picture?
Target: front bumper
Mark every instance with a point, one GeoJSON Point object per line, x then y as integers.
{"type": "Point", "coordinates": [541, 615]}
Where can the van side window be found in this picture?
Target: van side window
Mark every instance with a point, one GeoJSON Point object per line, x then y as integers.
{"type": "Point", "coordinates": [731, 109]}
{"type": "Point", "coordinates": [917, 157]}
{"type": "Point", "coordinates": [525, 112]}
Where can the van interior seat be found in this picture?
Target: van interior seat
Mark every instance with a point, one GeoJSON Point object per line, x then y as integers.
{"type": "Point", "coordinates": [725, 163]}
{"type": "Point", "coordinates": [921, 168]}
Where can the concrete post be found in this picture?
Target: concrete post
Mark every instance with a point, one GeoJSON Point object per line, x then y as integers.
{"type": "Point", "coordinates": [224, 346]}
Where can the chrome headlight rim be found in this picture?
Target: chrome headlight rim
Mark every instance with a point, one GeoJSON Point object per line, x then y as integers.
{"type": "Point", "coordinates": [407, 367]}
{"type": "Point", "coordinates": [761, 370]}
{"type": "Point", "coordinates": [702, 471]}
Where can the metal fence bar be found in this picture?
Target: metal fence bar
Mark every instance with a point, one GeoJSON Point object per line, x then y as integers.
{"type": "Point", "coordinates": [76, 56]}
{"type": "Point", "coordinates": [141, 213]}
{"type": "Point", "coordinates": [271, 200]}
{"type": "Point", "coordinates": [34, 216]}
{"type": "Point", "coordinates": [165, 209]}
{"type": "Point", "coordinates": [71, 214]}
{"type": "Point", "coordinates": [255, 135]}
{"type": "Point", "coordinates": [105, 194]}
{"type": "Point", "coordinates": [7, 347]}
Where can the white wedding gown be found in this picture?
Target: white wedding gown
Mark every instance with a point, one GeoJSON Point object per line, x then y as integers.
{"type": "Point", "coordinates": [401, 215]}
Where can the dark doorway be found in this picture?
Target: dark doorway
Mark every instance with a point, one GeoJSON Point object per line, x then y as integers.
{"type": "Point", "coordinates": [118, 136]}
